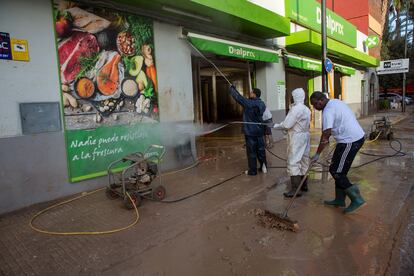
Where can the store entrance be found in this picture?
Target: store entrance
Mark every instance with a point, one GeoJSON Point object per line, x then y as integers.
{"type": "Point", "coordinates": [296, 79]}
{"type": "Point", "coordinates": [212, 100]}
{"type": "Point", "coordinates": [337, 85]}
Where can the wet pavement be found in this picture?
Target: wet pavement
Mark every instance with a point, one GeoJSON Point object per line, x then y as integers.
{"type": "Point", "coordinates": [216, 232]}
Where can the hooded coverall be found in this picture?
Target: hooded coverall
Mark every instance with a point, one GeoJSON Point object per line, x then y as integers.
{"type": "Point", "coordinates": [297, 124]}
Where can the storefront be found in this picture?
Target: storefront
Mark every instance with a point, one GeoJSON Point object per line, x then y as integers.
{"type": "Point", "coordinates": [109, 73]}
{"type": "Point", "coordinates": [345, 46]}
{"type": "Point", "coordinates": [237, 61]}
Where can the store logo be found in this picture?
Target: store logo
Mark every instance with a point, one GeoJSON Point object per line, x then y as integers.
{"type": "Point", "coordinates": [241, 52]}
{"type": "Point", "coordinates": [331, 24]}
{"type": "Point", "coordinates": [312, 66]}
{"type": "Point", "coordinates": [4, 45]}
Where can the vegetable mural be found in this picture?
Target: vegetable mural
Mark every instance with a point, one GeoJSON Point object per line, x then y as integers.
{"type": "Point", "coordinates": [107, 66]}
{"type": "Point", "coordinates": [108, 83]}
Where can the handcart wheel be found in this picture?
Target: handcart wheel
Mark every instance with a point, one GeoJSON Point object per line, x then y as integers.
{"type": "Point", "coordinates": [390, 136]}
{"type": "Point", "coordinates": [135, 197]}
{"type": "Point", "coordinates": [158, 193]}
{"type": "Point", "coordinates": [372, 136]}
{"type": "Point", "coordinates": [111, 194]}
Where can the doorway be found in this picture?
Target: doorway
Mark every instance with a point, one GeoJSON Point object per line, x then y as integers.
{"type": "Point", "coordinates": [212, 100]}
{"type": "Point", "coordinates": [372, 103]}
{"type": "Point", "coordinates": [296, 79]}
{"type": "Point", "coordinates": [337, 85]}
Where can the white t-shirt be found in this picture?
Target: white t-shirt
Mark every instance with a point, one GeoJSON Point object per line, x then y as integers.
{"type": "Point", "coordinates": [340, 118]}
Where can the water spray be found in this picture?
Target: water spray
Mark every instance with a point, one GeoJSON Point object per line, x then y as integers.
{"type": "Point", "coordinates": [209, 61]}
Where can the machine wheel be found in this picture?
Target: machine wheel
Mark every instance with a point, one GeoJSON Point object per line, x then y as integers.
{"type": "Point", "coordinates": [390, 136]}
{"type": "Point", "coordinates": [158, 193]}
{"type": "Point", "coordinates": [372, 135]}
{"type": "Point", "coordinates": [111, 194]}
{"type": "Point", "coordinates": [136, 198]}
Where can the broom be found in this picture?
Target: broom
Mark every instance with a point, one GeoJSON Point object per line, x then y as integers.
{"type": "Point", "coordinates": [281, 220]}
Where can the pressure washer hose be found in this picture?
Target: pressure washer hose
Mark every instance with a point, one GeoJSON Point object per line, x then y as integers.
{"type": "Point", "coordinates": [81, 233]}
{"type": "Point", "coordinates": [209, 61]}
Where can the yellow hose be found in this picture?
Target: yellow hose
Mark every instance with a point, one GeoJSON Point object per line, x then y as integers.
{"type": "Point", "coordinates": [376, 138]}
{"type": "Point", "coordinates": [82, 233]}
{"type": "Point", "coordinates": [88, 194]}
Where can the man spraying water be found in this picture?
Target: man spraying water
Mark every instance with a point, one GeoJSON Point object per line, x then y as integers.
{"type": "Point", "coordinates": [253, 108]}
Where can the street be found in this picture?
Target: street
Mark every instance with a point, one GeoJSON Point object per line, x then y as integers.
{"type": "Point", "coordinates": [217, 232]}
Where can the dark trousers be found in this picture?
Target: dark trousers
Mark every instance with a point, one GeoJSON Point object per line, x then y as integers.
{"type": "Point", "coordinates": [342, 160]}
{"type": "Point", "coordinates": [255, 149]}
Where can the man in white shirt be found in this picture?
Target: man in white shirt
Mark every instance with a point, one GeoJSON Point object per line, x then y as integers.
{"type": "Point", "coordinates": [296, 124]}
{"type": "Point", "coordinates": [339, 121]}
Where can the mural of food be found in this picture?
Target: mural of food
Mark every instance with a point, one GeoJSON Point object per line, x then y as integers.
{"type": "Point", "coordinates": [107, 66]}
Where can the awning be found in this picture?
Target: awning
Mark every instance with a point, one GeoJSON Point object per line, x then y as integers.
{"type": "Point", "coordinates": [235, 16]}
{"type": "Point", "coordinates": [304, 63]}
{"type": "Point", "coordinates": [309, 42]}
{"type": "Point", "coordinates": [310, 64]}
{"type": "Point", "coordinates": [232, 49]}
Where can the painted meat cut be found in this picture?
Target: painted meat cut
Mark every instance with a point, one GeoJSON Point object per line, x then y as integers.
{"type": "Point", "coordinates": [80, 44]}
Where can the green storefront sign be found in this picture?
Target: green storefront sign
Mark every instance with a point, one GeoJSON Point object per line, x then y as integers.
{"type": "Point", "coordinates": [315, 65]}
{"type": "Point", "coordinates": [309, 14]}
{"type": "Point", "coordinates": [91, 151]}
{"type": "Point", "coordinates": [232, 49]}
{"type": "Point", "coordinates": [306, 64]}
{"type": "Point", "coordinates": [345, 70]}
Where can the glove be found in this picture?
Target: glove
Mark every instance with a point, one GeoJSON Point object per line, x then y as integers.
{"type": "Point", "coordinates": [315, 158]}
{"type": "Point", "coordinates": [279, 126]}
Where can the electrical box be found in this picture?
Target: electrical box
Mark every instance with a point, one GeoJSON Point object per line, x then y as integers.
{"type": "Point", "coordinates": [40, 117]}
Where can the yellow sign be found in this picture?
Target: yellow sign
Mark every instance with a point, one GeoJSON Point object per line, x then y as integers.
{"type": "Point", "coordinates": [20, 49]}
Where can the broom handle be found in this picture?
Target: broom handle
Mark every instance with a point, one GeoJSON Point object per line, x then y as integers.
{"type": "Point", "coordinates": [285, 213]}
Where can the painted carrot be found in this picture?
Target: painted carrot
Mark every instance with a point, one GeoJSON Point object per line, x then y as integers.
{"type": "Point", "coordinates": [152, 74]}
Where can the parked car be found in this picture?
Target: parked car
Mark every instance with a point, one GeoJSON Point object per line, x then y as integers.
{"type": "Point", "coordinates": [396, 97]}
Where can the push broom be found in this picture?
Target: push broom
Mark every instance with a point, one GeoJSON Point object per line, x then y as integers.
{"type": "Point", "coordinates": [282, 220]}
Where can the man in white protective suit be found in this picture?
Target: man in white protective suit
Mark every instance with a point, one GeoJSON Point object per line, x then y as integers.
{"type": "Point", "coordinates": [297, 124]}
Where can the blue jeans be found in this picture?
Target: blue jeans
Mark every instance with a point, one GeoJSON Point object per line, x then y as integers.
{"type": "Point", "coordinates": [255, 149]}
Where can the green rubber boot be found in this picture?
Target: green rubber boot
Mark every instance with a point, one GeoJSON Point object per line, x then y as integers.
{"type": "Point", "coordinates": [356, 199]}
{"type": "Point", "coordinates": [294, 184]}
{"type": "Point", "coordinates": [339, 200]}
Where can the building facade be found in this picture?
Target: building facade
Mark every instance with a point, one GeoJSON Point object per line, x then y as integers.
{"type": "Point", "coordinates": [101, 78]}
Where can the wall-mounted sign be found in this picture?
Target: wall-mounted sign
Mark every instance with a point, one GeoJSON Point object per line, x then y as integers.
{"type": "Point", "coordinates": [328, 65]}
{"type": "Point", "coordinates": [114, 112]}
{"type": "Point", "coordinates": [372, 41]}
{"type": "Point", "coordinates": [281, 93]}
{"type": "Point", "coordinates": [20, 49]}
{"type": "Point", "coordinates": [309, 14]}
{"type": "Point", "coordinates": [394, 66]}
{"type": "Point", "coordinates": [5, 47]}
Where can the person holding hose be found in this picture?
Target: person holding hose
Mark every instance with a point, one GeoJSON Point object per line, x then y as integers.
{"type": "Point", "coordinates": [253, 109]}
{"type": "Point", "coordinates": [297, 124]}
{"type": "Point", "coordinates": [339, 120]}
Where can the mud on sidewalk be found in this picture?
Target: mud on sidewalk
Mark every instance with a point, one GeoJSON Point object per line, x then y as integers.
{"type": "Point", "coordinates": [216, 232]}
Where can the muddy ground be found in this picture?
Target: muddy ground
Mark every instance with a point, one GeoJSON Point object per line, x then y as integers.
{"type": "Point", "coordinates": [217, 232]}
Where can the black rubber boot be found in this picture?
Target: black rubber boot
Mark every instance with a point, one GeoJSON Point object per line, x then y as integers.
{"type": "Point", "coordinates": [294, 184]}
{"type": "Point", "coordinates": [305, 184]}
{"type": "Point", "coordinates": [356, 199]}
{"type": "Point", "coordinates": [339, 200]}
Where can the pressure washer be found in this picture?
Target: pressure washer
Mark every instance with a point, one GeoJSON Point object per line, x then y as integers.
{"type": "Point", "coordinates": [381, 128]}
{"type": "Point", "coordinates": [137, 177]}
